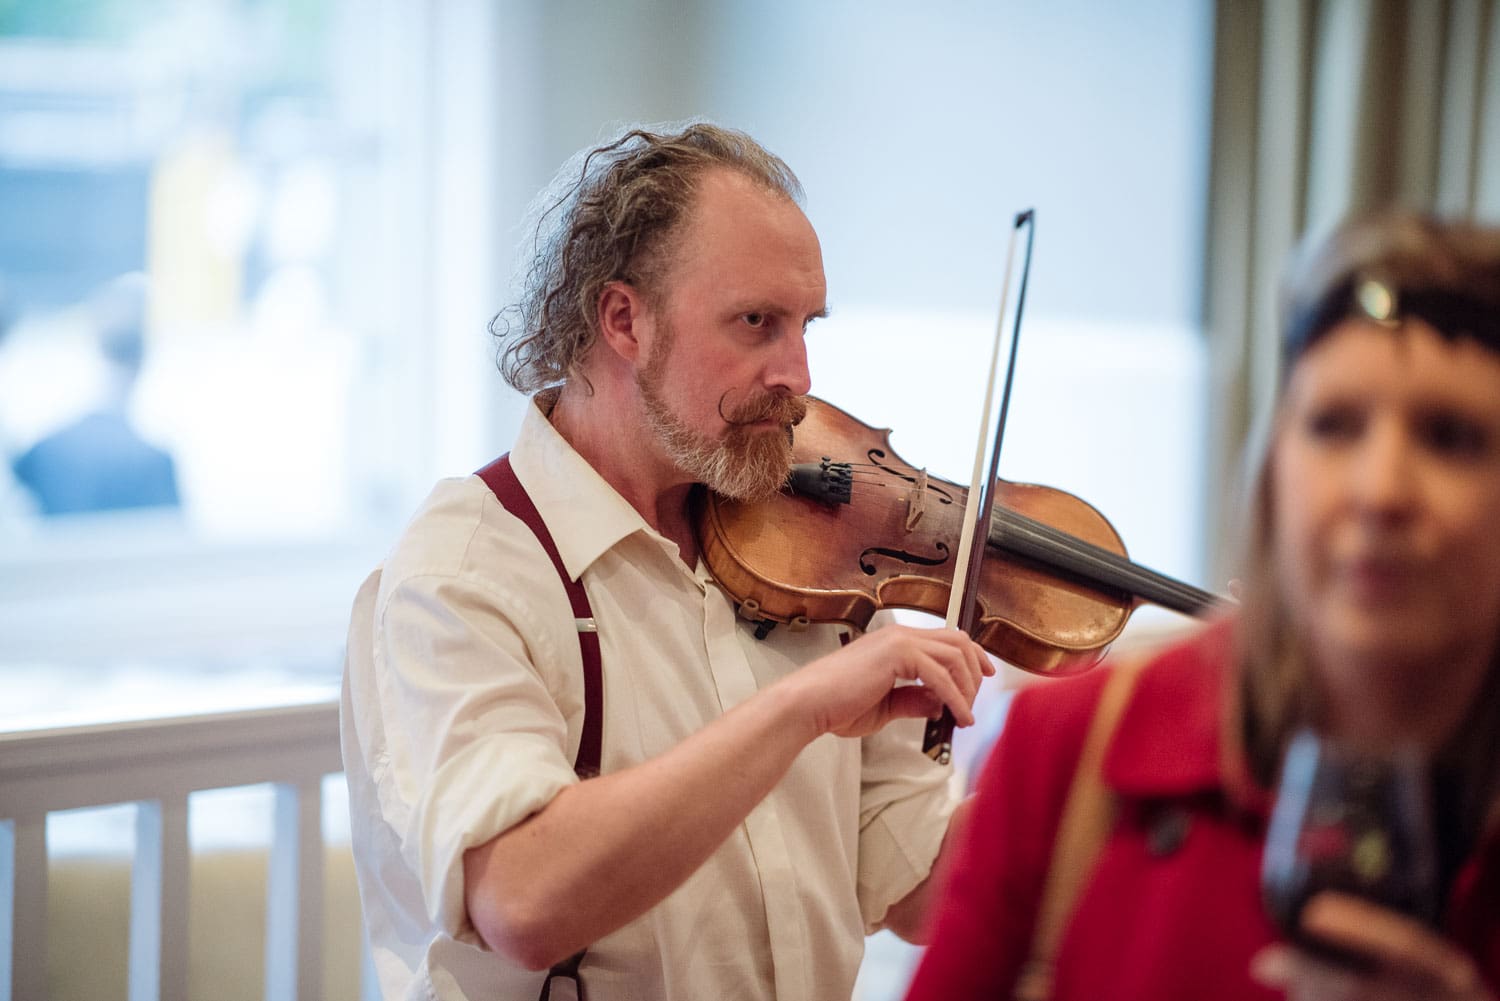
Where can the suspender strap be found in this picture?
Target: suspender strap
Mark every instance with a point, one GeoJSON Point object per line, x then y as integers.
{"type": "Point", "coordinates": [501, 479]}
{"type": "Point", "coordinates": [564, 976]}
{"type": "Point", "coordinates": [1088, 815]}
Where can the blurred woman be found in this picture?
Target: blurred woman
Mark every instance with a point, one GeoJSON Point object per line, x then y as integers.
{"type": "Point", "coordinates": [1371, 614]}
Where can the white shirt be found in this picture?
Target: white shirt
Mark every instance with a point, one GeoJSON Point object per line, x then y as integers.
{"type": "Point", "coordinates": [461, 716]}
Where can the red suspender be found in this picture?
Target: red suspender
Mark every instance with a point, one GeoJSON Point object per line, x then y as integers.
{"type": "Point", "coordinates": [500, 478]}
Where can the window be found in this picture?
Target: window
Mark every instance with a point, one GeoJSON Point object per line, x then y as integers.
{"type": "Point", "coordinates": [216, 372]}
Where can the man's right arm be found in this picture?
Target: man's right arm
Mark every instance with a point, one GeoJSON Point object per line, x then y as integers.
{"type": "Point", "coordinates": [624, 841]}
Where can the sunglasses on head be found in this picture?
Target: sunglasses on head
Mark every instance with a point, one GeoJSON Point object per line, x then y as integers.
{"type": "Point", "coordinates": [1452, 313]}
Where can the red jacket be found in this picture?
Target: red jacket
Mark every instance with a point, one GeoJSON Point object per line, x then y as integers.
{"type": "Point", "coordinates": [1173, 910]}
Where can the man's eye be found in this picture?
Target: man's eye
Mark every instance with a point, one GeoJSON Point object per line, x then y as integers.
{"type": "Point", "coordinates": [756, 320]}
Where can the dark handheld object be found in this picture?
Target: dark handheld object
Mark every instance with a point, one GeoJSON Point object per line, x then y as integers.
{"type": "Point", "coordinates": [1352, 823]}
{"type": "Point", "coordinates": [1054, 589]}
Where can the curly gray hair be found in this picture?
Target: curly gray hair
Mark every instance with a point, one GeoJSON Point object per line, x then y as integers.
{"type": "Point", "coordinates": [609, 215]}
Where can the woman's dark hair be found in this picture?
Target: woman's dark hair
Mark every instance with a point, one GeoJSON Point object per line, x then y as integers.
{"type": "Point", "coordinates": [1390, 268]}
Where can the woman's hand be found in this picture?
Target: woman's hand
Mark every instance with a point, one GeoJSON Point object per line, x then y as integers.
{"type": "Point", "coordinates": [1411, 962]}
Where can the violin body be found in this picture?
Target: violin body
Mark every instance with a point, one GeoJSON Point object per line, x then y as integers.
{"type": "Point", "coordinates": [894, 544]}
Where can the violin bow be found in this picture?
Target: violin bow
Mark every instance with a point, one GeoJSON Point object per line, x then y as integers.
{"type": "Point", "coordinates": [937, 742]}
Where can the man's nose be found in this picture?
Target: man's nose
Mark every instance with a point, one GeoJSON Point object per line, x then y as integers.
{"type": "Point", "coordinates": [788, 371]}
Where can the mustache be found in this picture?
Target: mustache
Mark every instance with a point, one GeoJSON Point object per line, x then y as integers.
{"type": "Point", "coordinates": [787, 411]}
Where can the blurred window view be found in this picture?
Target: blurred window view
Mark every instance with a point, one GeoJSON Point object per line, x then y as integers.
{"type": "Point", "coordinates": [177, 181]}
{"type": "Point", "coordinates": [200, 221]}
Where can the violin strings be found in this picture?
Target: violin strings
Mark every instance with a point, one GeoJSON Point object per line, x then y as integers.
{"type": "Point", "coordinates": [1043, 541]}
{"type": "Point", "coordinates": [867, 465]}
{"type": "Point", "coordinates": [1046, 542]}
{"type": "Point", "coordinates": [872, 474]}
{"type": "Point", "coordinates": [884, 473]}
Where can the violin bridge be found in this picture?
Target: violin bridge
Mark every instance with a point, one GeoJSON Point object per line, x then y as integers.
{"type": "Point", "coordinates": [916, 501]}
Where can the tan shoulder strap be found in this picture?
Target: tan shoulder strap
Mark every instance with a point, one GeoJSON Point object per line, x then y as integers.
{"type": "Point", "coordinates": [1087, 817]}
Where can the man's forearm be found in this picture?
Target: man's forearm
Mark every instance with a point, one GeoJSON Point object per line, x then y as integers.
{"type": "Point", "coordinates": [622, 842]}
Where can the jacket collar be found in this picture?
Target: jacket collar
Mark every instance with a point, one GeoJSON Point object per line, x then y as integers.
{"type": "Point", "coordinates": [1179, 736]}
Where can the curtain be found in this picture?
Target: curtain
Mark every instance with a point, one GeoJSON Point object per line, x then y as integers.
{"type": "Point", "coordinates": [1323, 108]}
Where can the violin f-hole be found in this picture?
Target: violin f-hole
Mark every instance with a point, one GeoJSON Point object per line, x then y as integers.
{"type": "Point", "coordinates": [867, 565]}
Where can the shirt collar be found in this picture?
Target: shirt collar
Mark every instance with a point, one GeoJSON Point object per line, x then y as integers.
{"type": "Point", "coordinates": [585, 515]}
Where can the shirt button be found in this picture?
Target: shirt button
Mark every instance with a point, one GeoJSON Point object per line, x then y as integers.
{"type": "Point", "coordinates": [1169, 829]}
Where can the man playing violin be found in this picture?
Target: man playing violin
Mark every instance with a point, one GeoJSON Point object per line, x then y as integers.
{"type": "Point", "coordinates": [761, 801]}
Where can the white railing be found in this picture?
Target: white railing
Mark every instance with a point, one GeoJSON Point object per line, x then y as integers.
{"type": "Point", "coordinates": [156, 764]}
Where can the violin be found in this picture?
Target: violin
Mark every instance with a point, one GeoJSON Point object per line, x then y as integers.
{"type": "Point", "coordinates": [857, 528]}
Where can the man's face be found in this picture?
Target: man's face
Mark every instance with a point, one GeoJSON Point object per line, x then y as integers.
{"type": "Point", "coordinates": [726, 369]}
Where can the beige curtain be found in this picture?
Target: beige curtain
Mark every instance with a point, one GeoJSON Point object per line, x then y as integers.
{"type": "Point", "coordinates": [1322, 108]}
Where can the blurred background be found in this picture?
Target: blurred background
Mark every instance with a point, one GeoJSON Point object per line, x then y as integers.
{"type": "Point", "coordinates": [249, 250]}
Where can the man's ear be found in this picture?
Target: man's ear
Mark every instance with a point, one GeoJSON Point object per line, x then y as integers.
{"type": "Point", "coordinates": [623, 319]}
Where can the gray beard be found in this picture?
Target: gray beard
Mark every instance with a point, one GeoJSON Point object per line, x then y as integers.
{"type": "Point", "coordinates": [742, 465]}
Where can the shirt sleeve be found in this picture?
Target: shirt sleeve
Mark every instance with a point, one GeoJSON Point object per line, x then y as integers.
{"type": "Point", "coordinates": [905, 802]}
{"type": "Point", "coordinates": [475, 740]}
